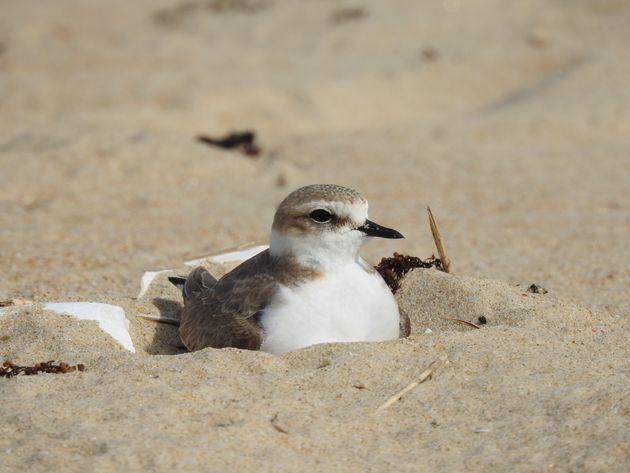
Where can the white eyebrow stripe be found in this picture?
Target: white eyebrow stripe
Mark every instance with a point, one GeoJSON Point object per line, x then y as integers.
{"type": "Point", "coordinates": [356, 212]}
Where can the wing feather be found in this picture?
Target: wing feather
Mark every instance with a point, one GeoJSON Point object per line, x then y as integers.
{"type": "Point", "coordinates": [225, 314]}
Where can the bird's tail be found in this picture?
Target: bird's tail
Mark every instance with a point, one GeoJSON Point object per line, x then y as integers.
{"type": "Point", "coordinates": [198, 281]}
{"type": "Point", "coordinates": [178, 281]}
{"type": "Point", "coordinates": [163, 319]}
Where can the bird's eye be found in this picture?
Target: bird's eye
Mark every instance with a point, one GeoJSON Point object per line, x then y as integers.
{"type": "Point", "coordinates": [321, 215]}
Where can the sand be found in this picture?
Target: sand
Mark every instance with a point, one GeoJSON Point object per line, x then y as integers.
{"type": "Point", "coordinates": [510, 120]}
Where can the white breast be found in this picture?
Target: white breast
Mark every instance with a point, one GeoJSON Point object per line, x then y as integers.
{"type": "Point", "coordinates": [348, 305]}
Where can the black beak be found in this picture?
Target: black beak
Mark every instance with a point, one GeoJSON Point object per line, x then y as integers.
{"type": "Point", "coordinates": [375, 230]}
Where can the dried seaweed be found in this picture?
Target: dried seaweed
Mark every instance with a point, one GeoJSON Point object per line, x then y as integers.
{"type": "Point", "coordinates": [536, 289]}
{"type": "Point", "coordinates": [245, 141]}
{"type": "Point", "coordinates": [347, 14]}
{"type": "Point", "coordinates": [10, 369]}
{"type": "Point", "coordinates": [394, 268]}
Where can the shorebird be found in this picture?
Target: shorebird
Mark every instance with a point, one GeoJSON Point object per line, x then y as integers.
{"type": "Point", "coordinates": [311, 286]}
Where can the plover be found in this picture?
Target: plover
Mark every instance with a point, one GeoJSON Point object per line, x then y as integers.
{"type": "Point", "coordinates": [311, 286]}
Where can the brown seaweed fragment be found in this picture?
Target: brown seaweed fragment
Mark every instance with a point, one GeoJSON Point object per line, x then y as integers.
{"type": "Point", "coordinates": [10, 369]}
{"type": "Point", "coordinates": [245, 141]}
{"type": "Point", "coordinates": [394, 268]}
{"type": "Point", "coordinates": [346, 14]}
{"type": "Point", "coordinates": [536, 289]}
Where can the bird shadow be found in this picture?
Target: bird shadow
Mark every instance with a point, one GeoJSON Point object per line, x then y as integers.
{"type": "Point", "coordinates": [166, 339]}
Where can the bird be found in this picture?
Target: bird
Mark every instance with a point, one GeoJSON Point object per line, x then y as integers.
{"type": "Point", "coordinates": [310, 286]}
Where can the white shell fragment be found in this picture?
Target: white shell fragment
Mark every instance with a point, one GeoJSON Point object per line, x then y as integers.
{"type": "Point", "coordinates": [147, 279]}
{"type": "Point", "coordinates": [238, 255]}
{"type": "Point", "coordinates": [111, 318]}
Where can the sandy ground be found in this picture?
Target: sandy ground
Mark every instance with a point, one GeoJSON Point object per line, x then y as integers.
{"type": "Point", "coordinates": [512, 120]}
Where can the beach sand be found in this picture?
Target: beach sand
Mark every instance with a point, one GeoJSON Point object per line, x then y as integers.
{"type": "Point", "coordinates": [510, 120]}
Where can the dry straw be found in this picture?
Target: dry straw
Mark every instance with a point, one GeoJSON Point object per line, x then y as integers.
{"type": "Point", "coordinates": [426, 374]}
{"type": "Point", "coordinates": [439, 244]}
{"type": "Point", "coordinates": [464, 322]}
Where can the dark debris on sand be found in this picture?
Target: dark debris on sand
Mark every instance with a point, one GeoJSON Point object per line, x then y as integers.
{"type": "Point", "coordinates": [394, 268]}
{"type": "Point", "coordinates": [10, 369]}
{"type": "Point", "coordinates": [244, 141]}
{"type": "Point", "coordinates": [536, 289]}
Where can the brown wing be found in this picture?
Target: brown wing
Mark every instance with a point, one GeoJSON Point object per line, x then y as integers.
{"type": "Point", "coordinates": [225, 314]}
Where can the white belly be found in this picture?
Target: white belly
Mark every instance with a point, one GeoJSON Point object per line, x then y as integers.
{"type": "Point", "coordinates": [348, 306]}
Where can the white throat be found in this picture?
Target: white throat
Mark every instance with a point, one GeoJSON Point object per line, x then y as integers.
{"type": "Point", "coordinates": [325, 251]}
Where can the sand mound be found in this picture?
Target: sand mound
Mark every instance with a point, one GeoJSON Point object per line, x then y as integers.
{"type": "Point", "coordinates": [436, 301]}
{"type": "Point", "coordinates": [32, 334]}
{"type": "Point", "coordinates": [141, 411]}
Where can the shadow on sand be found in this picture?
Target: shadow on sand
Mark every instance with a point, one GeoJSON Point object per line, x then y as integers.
{"type": "Point", "coordinates": [166, 339]}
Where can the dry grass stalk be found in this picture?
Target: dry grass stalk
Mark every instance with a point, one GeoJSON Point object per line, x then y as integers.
{"type": "Point", "coordinates": [274, 424]}
{"type": "Point", "coordinates": [164, 319]}
{"type": "Point", "coordinates": [426, 374]}
{"type": "Point", "coordinates": [464, 322]}
{"type": "Point", "coordinates": [439, 244]}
